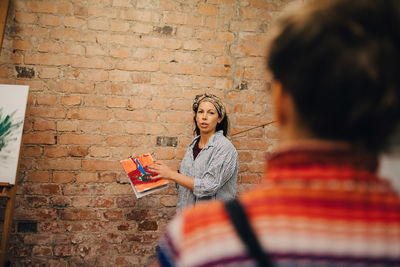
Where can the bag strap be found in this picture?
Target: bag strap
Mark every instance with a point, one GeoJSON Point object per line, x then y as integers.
{"type": "Point", "coordinates": [242, 226]}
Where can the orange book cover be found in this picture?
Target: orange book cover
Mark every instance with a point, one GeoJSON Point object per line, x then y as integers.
{"type": "Point", "coordinates": [140, 177]}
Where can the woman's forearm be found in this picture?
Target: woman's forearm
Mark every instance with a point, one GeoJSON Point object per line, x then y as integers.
{"type": "Point", "coordinates": [183, 180]}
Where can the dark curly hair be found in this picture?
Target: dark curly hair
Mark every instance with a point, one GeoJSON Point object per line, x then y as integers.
{"type": "Point", "coordinates": [340, 61]}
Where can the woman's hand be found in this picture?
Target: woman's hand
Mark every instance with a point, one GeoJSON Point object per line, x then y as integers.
{"type": "Point", "coordinates": [165, 172]}
{"type": "Point", "coordinates": [162, 170]}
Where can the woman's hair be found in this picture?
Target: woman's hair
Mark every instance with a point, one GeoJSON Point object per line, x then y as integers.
{"type": "Point", "coordinates": [340, 61]}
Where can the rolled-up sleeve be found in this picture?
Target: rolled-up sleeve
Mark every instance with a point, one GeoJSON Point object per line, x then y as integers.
{"type": "Point", "coordinates": [222, 167]}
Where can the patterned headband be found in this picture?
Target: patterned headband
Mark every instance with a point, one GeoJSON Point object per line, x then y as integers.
{"type": "Point", "coordinates": [213, 99]}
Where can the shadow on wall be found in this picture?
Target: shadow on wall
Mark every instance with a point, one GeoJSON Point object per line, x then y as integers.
{"type": "Point", "coordinates": [390, 162]}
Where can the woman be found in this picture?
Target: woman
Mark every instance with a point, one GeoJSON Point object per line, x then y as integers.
{"type": "Point", "coordinates": [210, 166]}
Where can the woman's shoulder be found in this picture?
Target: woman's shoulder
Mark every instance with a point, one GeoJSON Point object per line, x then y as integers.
{"type": "Point", "coordinates": [222, 141]}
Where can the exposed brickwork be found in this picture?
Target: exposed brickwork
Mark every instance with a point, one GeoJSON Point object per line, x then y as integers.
{"type": "Point", "coordinates": [113, 78]}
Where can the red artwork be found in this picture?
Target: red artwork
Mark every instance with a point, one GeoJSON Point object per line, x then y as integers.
{"type": "Point", "coordinates": [140, 177]}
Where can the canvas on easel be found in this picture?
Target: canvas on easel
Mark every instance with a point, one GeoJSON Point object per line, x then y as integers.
{"type": "Point", "coordinates": [13, 100]}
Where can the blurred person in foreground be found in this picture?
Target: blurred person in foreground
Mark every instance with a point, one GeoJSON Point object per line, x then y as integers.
{"type": "Point", "coordinates": [336, 83]}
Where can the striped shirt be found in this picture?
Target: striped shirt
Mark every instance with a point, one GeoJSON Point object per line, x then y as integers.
{"type": "Point", "coordinates": [214, 171]}
{"type": "Point", "coordinates": [315, 207]}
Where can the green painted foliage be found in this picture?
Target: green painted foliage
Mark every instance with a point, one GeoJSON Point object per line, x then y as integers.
{"type": "Point", "coordinates": [7, 127]}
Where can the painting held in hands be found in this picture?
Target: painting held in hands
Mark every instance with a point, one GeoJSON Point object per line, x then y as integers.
{"type": "Point", "coordinates": [140, 177]}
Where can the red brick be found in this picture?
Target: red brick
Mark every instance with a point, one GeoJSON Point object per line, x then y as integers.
{"type": "Point", "coordinates": [136, 15]}
{"type": "Point", "coordinates": [73, 214]}
{"type": "Point", "coordinates": [207, 10]}
{"type": "Point", "coordinates": [94, 101]}
{"type": "Point", "coordinates": [217, 71]}
{"type": "Point", "coordinates": [59, 164]}
{"type": "Point", "coordinates": [175, 68]}
{"type": "Point", "coordinates": [211, 22]}
{"type": "Point", "coordinates": [98, 24]}
{"type": "Point", "coordinates": [214, 47]}
{"type": "Point", "coordinates": [95, 50]}
{"type": "Point", "coordinates": [49, 73]}
{"type": "Point", "coordinates": [140, 77]}
{"type": "Point", "coordinates": [42, 189]}
{"type": "Point", "coordinates": [100, 165]}
{"type": "Point", "coordinates": [72, 35]}
{"type": "Point", "coordinates": [107, 177]}
{"type": "Point", "coordinates": [60, 201]}
{"type": "Point", "coordinates": [118, 141]}
{"type": "Point", "coordinates": [78, 151]}
{"type": "Point", "coordinates": [39, 138]}
{"type": "Point", "coordinates": [70, 100]}
{"type": "Point", "coordinates": [46, 59]}
{"type": "Point", "coordinates": [136, 115]}
{"type": "Point", "coordinates": [138, 66]}
{"type": "Point", "coordinates": [104, 202]}
{"type": "Point", "coordinates": [250, 178]}
{"type": "Point", "coordinates": [88, 126]}
{"type": "Point", "coordinates": [192, 45]}
{"type": "Point", "coordinates": [119, 26]}
{"type": "Point", "coordinates": [113, 215]}
{"type": "Point", "coordinates": [119, 189]}
{"type": "Point", "coordinates": [49, 20]}
{"type": "Point", "coordinates": [112, 127]}
{"type": "Point", "coordinates": [73, 22]}
{"type": "Point", "coordinates": [43, 125]}
{"type": "Point", "coordinates": [80, 139]}
{"type": "Point", "coordinates": [141, 28]}
{"type": "Point", "coordinates": [63, 250]}
{"type": "Point", "coordinates": [63, 177]}
{"type": "Point", "coordinates": [98, 75]}
{"type": "Point", "coordinates": [46, 99]}
{"type": "Point", "coordinates": [74, 49]}
{"type": "Point", "coordinates": [245, 156]}
{"type": "Point", "coordinates": [34, 201]}
{"type": "Point", "coordinates": [49, 46]}
{"type": "Point", "coordinates": [32, 151]}
{"type": "Point", "coordinates": [55, 151]}
{"type": "Point", "coordinates": [77, 87]}
{"type": "Point", "coordinates": [88, 114]}
{"type": "Point", "coordinates": [225, 36]}
{"type": "Point", "coordinates": [121, 3]}
{"type": "Point", "coordinates": [222, 2]}
{"type": "Point", "coordinates": [42, 7]}
{"type": "Point", "coordinates": [25, 17]}
{"type": "Point", "coordinates": [119, 76]}
{"type": "Point", "coordinates": [38, 176]}
{"type": "Point", "coordinates": [86, 177]}
{"type": "Point", "coordinates": [99, 152]}
{"type": "Point", "coordinates": [22, 45]}
{"type": "Point", "coordinates": [163, 153]}
{"type": "Point", "coordinates": [102, 12]}
{"type": "Point", "coordinates": [69, 126]}
{"type": "Point", "coordinates": [120, 52]}
{"type": "Point", "coordinates": [4, 72]}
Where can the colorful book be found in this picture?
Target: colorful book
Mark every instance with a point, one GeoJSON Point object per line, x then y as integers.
{"type": "Point", "coordinates": [141, 178]}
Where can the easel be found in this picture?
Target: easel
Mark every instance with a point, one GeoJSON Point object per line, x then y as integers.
{"type": "Point", "coordinates": [8, 191]}
{"type": "Point", "coordinates": [3, 18]}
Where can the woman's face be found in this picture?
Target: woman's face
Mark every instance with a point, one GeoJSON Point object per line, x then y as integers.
{"type": "Point", "coordinates": [207, 118]}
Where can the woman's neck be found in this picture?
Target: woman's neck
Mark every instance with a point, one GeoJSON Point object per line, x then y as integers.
{"type": "Point", "coordinates": [204, 137]}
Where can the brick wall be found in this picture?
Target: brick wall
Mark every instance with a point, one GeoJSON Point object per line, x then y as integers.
{"type": "Point", "coordinates": [112, 78]}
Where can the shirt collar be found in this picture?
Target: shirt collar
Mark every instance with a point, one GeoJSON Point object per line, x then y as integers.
{"type": "Point", "coordinates": [211, 141]}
